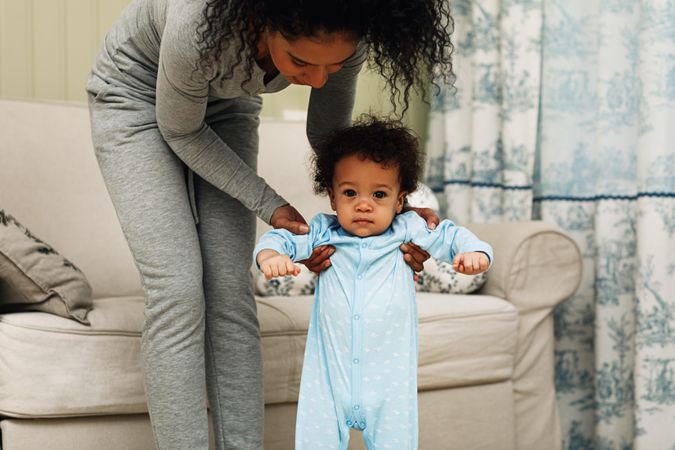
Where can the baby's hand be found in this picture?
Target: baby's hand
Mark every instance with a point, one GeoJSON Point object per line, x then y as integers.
{"type": "Point", "coordinates": [470, 263]}
{"type": "Point", "coordinates": [278, 265]}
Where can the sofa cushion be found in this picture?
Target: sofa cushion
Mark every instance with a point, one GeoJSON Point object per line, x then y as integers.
{"type": "Point", "coordinates": [463, 340]}
{"type": "Point", "coordinates": [51, 366]}
{"type": "Point", "coordinates": [34, 277]}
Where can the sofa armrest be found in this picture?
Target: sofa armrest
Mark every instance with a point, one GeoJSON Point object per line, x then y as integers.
{"type": "Point", "coordinates": [536, 265]}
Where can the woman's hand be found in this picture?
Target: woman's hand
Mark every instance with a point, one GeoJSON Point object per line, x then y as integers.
{"type": "Point", "coordinates": [289, 218]}
{"type": "Point", "coordinates": [428, 214]}
{"type": "Point", "coordinates": [413, 255]}
{"type": "Point", "coordinates": [318, 261]}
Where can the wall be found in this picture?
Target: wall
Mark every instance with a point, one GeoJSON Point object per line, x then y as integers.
{"type": "Point", "coordinates": [47, 46]}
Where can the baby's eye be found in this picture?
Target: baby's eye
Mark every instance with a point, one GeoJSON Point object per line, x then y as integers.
{"type": "Point", "coordinates": [349, 192]}
{"type": "Point", "coordinates": [380, 194]}
{"type": "Point", "coordinates": [298, 63]}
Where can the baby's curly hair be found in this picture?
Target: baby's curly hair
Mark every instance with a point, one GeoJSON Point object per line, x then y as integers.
{"type": "Point", "coordinates": [384, 141]}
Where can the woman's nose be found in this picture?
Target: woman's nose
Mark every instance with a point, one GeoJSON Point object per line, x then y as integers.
{"type": "Point", "coordinates": [317, 76]}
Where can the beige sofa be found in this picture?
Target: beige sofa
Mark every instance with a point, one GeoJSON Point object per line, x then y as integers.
{"type": "Point", "coordinates": [486, 360]}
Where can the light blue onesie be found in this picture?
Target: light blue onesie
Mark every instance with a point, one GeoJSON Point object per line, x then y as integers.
{"type": "Point", "coordinates": [360, 366]}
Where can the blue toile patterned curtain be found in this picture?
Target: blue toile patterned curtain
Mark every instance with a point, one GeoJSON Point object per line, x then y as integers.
{"type": "Point", "coordinates": [564, 111]}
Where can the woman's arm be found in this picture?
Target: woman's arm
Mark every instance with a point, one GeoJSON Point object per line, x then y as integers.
{"type": "Point", "coordinates": [181, 101]}
{"type": "Point", "coordinates": [330, 107]}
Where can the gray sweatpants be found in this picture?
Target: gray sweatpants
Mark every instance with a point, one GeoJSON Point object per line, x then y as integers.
{"type": "Point", "coordinates": [201, 332]}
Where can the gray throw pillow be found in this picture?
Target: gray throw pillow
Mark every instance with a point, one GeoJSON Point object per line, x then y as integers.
{"type": "Point", "coordinates": [34, 277]}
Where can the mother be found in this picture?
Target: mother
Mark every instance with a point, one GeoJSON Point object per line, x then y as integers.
{"type": "Point", "coordinates": [174, 98]}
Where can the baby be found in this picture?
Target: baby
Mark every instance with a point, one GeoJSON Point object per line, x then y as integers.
{"type": "Point", "coordinates": [360, 366]}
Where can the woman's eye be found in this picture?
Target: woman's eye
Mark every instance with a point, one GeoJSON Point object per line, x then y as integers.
{"type": "Point", "coordinates": [298, 63]}
{"type": "Point", "coordinates": [350, 192]}
{"type": "Point", "coordinates": [380, 194]}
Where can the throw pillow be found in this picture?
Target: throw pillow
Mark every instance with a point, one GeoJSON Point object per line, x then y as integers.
{"type": "Point", "coordinates": [34, 277]}
{"type": "Point", "coordinates": [423, 197]}
{"type": "Point", "coordinates": [439, 276]}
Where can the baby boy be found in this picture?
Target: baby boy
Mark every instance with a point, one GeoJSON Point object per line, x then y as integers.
{"type": "Point", "coordinates": [360, 366]}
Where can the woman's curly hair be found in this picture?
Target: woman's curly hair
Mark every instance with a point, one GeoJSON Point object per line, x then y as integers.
{"type": "Point", "coordinates": [408, 39]}
{"type": "Point", "coordinates": [386, 142]}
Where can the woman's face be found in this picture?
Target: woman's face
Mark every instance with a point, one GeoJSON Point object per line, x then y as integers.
{"type": "Point", "coordinates": [309, 60]}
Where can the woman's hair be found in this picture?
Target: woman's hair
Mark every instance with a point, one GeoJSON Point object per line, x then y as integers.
{"type": "Point", "coordinates": [409, 39]}
{"type": "Point", "coordinates": [386, 142]}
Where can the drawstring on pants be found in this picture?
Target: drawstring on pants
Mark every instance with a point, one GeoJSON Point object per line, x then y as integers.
{"type": "Point", "coordinates": [191, 194]}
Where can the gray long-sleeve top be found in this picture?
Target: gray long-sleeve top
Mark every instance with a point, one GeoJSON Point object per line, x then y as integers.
{"type": "Point", "coordinates": [152, 51]}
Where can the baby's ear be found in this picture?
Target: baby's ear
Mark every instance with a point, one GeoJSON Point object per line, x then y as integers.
{"type": "Point", "coordinates": [400, 201]}
{"type": "Point", "coordinates": [331, 197]}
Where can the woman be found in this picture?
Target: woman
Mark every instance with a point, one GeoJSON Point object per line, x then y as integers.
{"type": "Point", "coordinates": [174, 99]}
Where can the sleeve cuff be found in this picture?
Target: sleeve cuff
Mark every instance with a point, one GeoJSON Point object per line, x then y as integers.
{"type": "Point", "coordinates": [273, 205]}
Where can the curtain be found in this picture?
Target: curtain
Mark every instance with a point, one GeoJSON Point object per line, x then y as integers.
{"type": "Point", "coordinates": [564, 111]}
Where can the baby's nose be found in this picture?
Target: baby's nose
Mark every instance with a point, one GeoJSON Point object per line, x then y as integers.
{"type": "Point", "coordinates": [363, 205]}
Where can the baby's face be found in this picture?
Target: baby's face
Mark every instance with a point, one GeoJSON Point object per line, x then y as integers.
{"type": "Point", "coordinates": [365, 195]}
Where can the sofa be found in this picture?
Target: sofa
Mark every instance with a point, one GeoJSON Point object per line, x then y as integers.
{"type": "Point", "coordinates": [486, 359]}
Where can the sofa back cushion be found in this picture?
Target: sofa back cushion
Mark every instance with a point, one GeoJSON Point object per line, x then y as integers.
{"type": "Point", "coordinates": [49, 178]}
